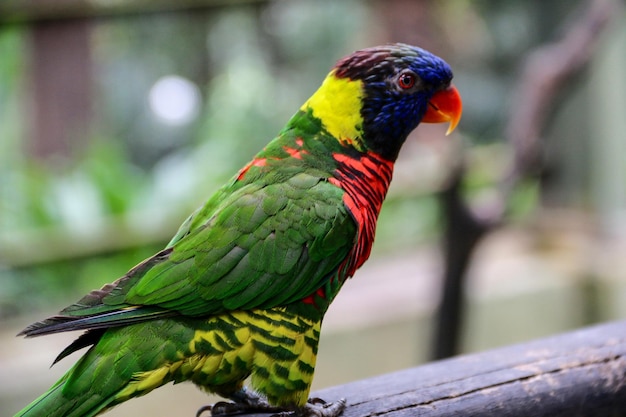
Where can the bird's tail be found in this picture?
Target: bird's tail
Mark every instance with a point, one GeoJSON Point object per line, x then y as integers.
{"type": "Point", "coordinates": [109, 372]}
{"type": "Point", "coordinates": [46, 403]}
{"type": "Point", "coordinates": [54, 404]}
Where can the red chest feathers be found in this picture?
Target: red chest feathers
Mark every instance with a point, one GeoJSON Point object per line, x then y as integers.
{"type": "Point", "coordinates": [366, 181]}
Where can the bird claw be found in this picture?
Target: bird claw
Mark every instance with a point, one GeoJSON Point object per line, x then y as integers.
{"type": "Point", "coordinates": [315, 407]}
{"type": "Point", "coordinates": [250, 405]}
{"type": "Point", "coordinates": [221, 408]}
{"type": "Point", "coordinates": [204, 408]}
{"type": "Point", "coordinates": [317, 401]}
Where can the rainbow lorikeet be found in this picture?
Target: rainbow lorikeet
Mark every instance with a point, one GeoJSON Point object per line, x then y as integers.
{"type": "Point", "coordinates": [241, 289]}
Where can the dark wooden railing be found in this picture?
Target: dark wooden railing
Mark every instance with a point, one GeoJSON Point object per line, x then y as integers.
{"type": "Point", "coordinates": [577, 374]}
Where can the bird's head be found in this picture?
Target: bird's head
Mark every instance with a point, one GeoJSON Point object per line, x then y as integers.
{"type": "Point", "coordinates": [373, 98]}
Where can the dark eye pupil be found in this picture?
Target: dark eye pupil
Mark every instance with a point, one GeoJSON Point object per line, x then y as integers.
{"type": "Point", "coordinates": [406, 81]}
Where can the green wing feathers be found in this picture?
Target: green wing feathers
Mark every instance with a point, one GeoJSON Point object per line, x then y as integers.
{"type": "Point", "coordinates": [261, 246]}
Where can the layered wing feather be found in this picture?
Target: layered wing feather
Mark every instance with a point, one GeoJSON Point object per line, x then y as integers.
{"type": "Point", "coordinates": [256, 245]}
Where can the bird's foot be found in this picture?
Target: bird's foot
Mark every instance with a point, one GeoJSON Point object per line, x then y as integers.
{"type": "Point", "coordinates": [244, 401]}
{"type": "Point", "coordinates": [316, 407]}
{"type": "Point", "coordinates": [247, 402]}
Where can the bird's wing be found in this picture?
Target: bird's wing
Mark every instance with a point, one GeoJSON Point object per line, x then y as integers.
{"type": "Point", "coordinates": [257, 247]}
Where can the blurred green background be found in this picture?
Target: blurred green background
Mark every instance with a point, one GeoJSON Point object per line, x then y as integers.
{"type": "Point", "coordinates": [117, 120]}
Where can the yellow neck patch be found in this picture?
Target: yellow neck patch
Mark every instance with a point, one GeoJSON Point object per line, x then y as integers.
{"type": "Point", "coordinates": [337, 103]}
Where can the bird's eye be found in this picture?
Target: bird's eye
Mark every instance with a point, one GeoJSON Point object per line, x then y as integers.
{"type": "Point", "coordinates": [406, 80]}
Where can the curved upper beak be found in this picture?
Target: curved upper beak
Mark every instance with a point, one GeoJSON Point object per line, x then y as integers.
{"type": "Point", "coordinates": [445, 106]}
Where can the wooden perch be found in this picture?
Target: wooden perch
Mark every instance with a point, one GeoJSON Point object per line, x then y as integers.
{"type": "Point", "coordinates": [582, 373]}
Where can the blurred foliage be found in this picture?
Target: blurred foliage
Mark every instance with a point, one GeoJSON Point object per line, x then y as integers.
{"type": "Point", "coordinates": [11, 128]}
{"type": "Point", "coordinates": [253, 65]}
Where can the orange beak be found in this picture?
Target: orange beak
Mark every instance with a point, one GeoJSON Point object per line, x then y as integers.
{"type": "Point", "coordinates": [445, 106]}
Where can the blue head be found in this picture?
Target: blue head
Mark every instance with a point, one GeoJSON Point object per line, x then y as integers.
{"type": "Point", "coordinates": [403, 86]}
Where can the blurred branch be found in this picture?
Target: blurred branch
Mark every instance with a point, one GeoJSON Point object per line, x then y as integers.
{"type": "Point", "coordinates": [53, 244]}
{"type": "Point", "coordinates": [546, 71]}
{"type": "Point", "coordinates": [463, 232]}
{"type": "Point", "coordinates": [33, 11]}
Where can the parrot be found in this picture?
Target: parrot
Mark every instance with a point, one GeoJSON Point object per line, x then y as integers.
{"type": "Point", "coordinates": [234, 302]}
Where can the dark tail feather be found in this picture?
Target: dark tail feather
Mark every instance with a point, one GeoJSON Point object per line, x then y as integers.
{"type": "Point", "coordinates": [123, 317]}
{"type": "Point", "coordinates": [90, 337]}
